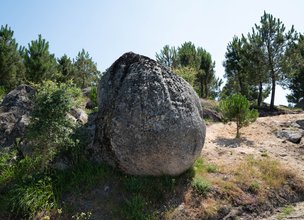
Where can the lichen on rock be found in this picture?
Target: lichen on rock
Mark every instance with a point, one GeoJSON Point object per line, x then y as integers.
{"type": "Point", "coordinates": [149, 120]}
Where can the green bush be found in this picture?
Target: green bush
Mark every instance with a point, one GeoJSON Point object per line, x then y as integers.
{"type": "Point", "coordinates": [50, 130]}
{"type": "Point", "coordinates": [236, 108]}
{"type": "Point", "coordinates": [28, 184]}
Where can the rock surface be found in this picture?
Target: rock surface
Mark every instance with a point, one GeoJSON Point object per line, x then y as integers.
{"type": "Point", "coordinates": [15, 112]}
{"type": "Point", "coordinates": [149, 120]}
{"type": "Point", "coordinates": [80, 115]}
{"type": "Point", "coordinates": [290, 135]}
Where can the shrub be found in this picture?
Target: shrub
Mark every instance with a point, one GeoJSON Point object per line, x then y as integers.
{"type": "Point", "coordinates": [50, 130]}
{"type": "Point", "coordinates": [236, 108]}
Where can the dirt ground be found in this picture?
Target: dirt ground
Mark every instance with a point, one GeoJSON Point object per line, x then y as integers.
{"type": "Point", "coordinates": [258, 139]}
{"type": "Point", "coordinates": [222, 149]}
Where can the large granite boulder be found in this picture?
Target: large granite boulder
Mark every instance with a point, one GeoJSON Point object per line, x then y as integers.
{"type": "Point", "coordinates": [149, 120]}
{"type": "Point", "coordinates": [15, 111]}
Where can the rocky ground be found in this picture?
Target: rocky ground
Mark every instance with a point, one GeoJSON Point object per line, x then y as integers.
{"type": "Point", "coordinates": [260, 138]}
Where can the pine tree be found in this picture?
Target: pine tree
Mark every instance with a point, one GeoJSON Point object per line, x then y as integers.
{"type": "Point", "coordinates": [66, 68]}
{"type": "Point", "coordinates": [234, 67]}
{"type": "Point", "coordinates": [275, 43]}
{"type": "Point", "coordinates": [168, 57]}
{"type": "Point", "coordinates": [40, 64]}
{"type": "Point", "coordinates": [11, 65]}
{"type": "Point", "coordinates": [206, 74]}
{"type": "Point", "coordinates": [294, 65]}
{"type": "Point", "coordinates": [236, 108]}
{"type": "Point", "coordinates": [188, 56]}
{"type": "Point", "coordinates": [86, 72]}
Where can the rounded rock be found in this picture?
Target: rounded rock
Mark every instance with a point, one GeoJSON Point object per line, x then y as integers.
{"type": "Point", "coordinates": [149, 120]}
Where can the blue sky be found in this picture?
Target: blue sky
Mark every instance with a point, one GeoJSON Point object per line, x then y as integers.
{"type": "Point", "coordinates": [108, 28]}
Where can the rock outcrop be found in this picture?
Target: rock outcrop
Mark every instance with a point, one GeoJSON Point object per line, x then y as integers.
{"type": "Point", "coordinates": [149, 120]}
{"type": "Point", "coordinates": [15, 111]}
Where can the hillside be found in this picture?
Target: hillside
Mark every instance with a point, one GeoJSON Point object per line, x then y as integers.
{"type": "Point", "coordinates": [249, 178]}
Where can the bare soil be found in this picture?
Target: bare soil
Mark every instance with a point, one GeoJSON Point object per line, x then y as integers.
{"type": "Point", "coordinates": [223, 149]}
{"type": "Point", "coordinates": [258, 139]}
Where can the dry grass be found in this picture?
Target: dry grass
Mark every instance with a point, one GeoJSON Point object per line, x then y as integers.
{"type": "Point", "coordinates": [210, 207]}
{"type": "Point", "coordinates": [249, 182]}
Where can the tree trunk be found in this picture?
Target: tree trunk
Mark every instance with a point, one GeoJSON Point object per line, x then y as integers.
{"type": "Point", "coordinates": [237, 129]}
{"type": "Point", "coordinates": [260, 94]}
{"type": "Point", "coordinates": [241, 85]}
{"type": "Point", "coordinates": [272, 91]}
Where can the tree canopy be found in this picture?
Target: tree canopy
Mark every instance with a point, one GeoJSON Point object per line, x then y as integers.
{"type": "Point", "coordinates": [11, 63]}
{"type": "Point", "coordinates": [194, 64]}
{"type": "Point", "coordinates": [39, 62]}
{"type": "Point", "coordinates": [258, 60]}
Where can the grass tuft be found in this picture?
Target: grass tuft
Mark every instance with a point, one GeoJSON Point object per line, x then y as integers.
{"type": "Point", "coordinates": [201, 185]}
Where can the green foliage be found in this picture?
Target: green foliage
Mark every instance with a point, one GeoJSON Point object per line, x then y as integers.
{"type": "Point", "coordinates": [66, 69]}
{"type": "Point", "coordinates": [259, 59]}
{"type": "Point", "coordinates": [11, 65]}
{"type": "Point", "coordinates": [187, 55]}
{"type": "Point", "coordinates": [212, 168]}
{"type": "Point", "coordinates": [193, 64]}
{"type": "Point", "coordinates": [294, 65]}
{"type": "Point", "coordinates": [82, 176]}
{"type": "Point", "coordinates": [134, 208]}
{"type": "Point", "coordinates": [93, 95]}
{"type": "Point", "coordinates": [254, 187]}
{"type": "Point", "coordinates": [244, 69]}
{"type": "Point", "coordinates": [275, 42]}
{"type": "Point", "coordinates": [2, 92]}
{"type": "Point", "coordinates": [24, 189]}
{"type": "Point", "coordinates": [6, 167]}
{"type": "Point", "coordinates": [201, 185]}
{"type": "Point", "coordinates": [236, 108]}
{"type": "Point", "coordinates": [287, 210]}
{"type": "Point", "coordinates": [33, 197]}
{"type": "Point", "coordinates": [50, 131]}
{"type": "Point", "coordinates": [205, 76]}
{"type": "Point", "coordinates": [187, 73]}
{"type": "Point", "coordinates": [168, 57]}
{"type": "Point", "coordinates": [86, 73]}
{"type": "Point", "coordinates": [40, 64]}
{"type": "Point", "coordinates": [199, 165]}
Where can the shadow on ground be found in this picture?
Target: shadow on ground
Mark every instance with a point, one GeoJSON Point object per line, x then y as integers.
{"type": "Point", "coordinates": [233, 143]}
